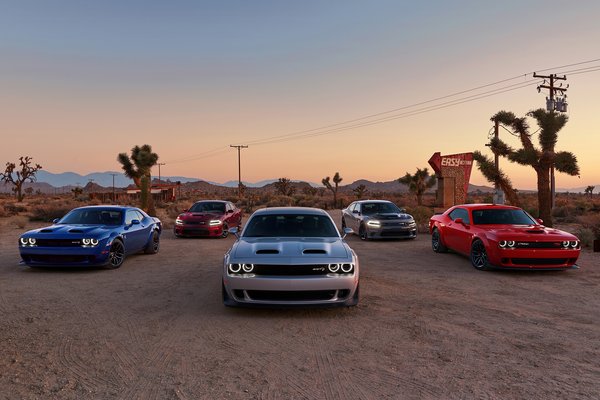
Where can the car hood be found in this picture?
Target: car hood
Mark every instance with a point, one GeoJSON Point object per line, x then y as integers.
{"type": "Point", "coordinates": [390, 216]}
{"type": "Point", "coordinates": [291, 250]}
{"type": "Point", "coordinates": [532, 232]}
{"type": "Point", "coordinates": [200, 216]}
{"type": "Point", "coordinates": [67, 231]}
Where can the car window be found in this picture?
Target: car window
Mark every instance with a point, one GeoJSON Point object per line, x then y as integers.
{"type": "Point", "coordinates": [208, 206]}
{"type": "Point", "coordinates": [460, 213]}
{"type": "Point", "coordinates": [130, 216]}
{"type": "Point", "coordinates": [92, 216]}
{"type": "Point", "coordinates": [500, 216]}
{"type": "Point", "coordinates": [379, 208]}
{"type": "Point", "coordinates": [352, 207]}
{"type": "Point", "coordinates": [290, 225]}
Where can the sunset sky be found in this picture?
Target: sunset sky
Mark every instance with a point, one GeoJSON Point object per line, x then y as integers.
{"type": "Point", "coordinates": [82, 81]}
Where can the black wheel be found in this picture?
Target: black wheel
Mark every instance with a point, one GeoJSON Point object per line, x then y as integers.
{"type": "Point", "coordinates": [343, 223]}
{"type": "Point", "coordinates": [436, 242]}
{"type": "Point", "coordinates": [116, 255]}
{"type": "Point", "coordinates": [154, 244]}
{"type": "Point", "coordinates": [479, 258]}
{"type": "Point", "coordinates": [362, 233]}
{"type": "Point", "coordinates": [225, 231]}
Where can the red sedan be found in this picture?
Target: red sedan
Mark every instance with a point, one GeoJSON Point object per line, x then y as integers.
{"type": "Point", "coordinates": [210, 218]}
{"type": "Point", "coordinates": [498, 236]}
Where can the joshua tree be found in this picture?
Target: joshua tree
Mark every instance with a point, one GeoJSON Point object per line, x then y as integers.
{"type": "Point", "coordinates": [138, 168]}
{"type": "Point", "coordinates": [418, 183]}
{"type": "Point", "coordinates": [360, 191]}
{"type": "Point", "coordinates": [542, 159]}
{"type": "Point", "coordinates": [284, 187]}
{"type": "Point", "coordinates": [589, 190]}
{"type": "Point", "coordinates": [310, 191]}
{"type": "Point", "coordinates": [334, 189]}
{"type": "Point", "coordinates": [77, 191]}
{"type": "Point", "coordinates": [17, 178]}
{"type": "Point", "coordinates": [496, 176]}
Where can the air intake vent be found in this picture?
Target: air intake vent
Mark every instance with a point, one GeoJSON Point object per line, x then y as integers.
{"type": "Point", "coordinates": [267, 251]}
{"type": "Point", "coordinates": [46, 231]}
{"type": "Point", "coordinates": [314, 251]}
{"type": "Point", "coordinates": [535, 231]}
{"type": "Point", "coordinates": [75, 231]}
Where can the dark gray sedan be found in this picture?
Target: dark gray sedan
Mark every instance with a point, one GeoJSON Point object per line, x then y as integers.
{"type": "Point", "coordinates": [290, 256]}
{"type": "Point", "coordinates": [379, 219]}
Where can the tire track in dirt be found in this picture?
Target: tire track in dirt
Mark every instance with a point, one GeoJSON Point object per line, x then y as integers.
{"type": "Point", "coordinates": [72, 362]}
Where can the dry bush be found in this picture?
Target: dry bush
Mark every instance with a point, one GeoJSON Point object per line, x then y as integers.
{"type": "Point", "coordinates": [586, 236]}
{"type": "Point", "coordinates": [591, 222]}
{"type": "Point", "coordinates": [421, 214]}
{"type": "Point", "coordinates": [49, 212]}
{"type": "Point", "coordinates": [14, 209]}
{"type": "Point", "coordinates": [19, 221]}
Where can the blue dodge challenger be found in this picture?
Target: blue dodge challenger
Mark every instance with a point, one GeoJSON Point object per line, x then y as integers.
{"type": "Point", "coordinates": [92, 236]}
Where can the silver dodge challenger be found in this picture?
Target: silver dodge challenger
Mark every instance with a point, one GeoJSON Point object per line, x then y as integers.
{"type": "Point", "coordinates": [290, 256]}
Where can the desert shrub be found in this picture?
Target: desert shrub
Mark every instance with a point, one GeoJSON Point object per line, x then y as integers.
{"type": "Point", "coordinates": [421, 214]}
{"type": "Point", "coordinates": [591, 222]}
{"type": "Point", "coordinates": [280, 201]}
{"type": "Point", "coordinates": [586, 236]}
{"type": "Point", "coordinates": [14, 209]}
{"type": "Point", "coordinates": [49, 212]}
{"type": "Point", "coordinates": [19, 221]}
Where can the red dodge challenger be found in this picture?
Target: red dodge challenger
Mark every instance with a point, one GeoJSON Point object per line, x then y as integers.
{"type": "Point", "coordinates": [498, 236]}
{"type": "Point", "coordinates": [210, 218]}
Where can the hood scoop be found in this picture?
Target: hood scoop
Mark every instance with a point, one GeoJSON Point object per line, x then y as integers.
{"type": "Point", "coordinates": [46, 231]}
{"type": "Point", "coordinates": [267, 251]}
{"type": "Point", "coordinates": [535, 231]}
{"type": "Point", "coordinates": [75, 231]}
{"type": "Point", "coordinates": [314, 251]}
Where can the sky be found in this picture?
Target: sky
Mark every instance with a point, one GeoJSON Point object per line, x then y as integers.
{"type": "Point", "coordinates": [82, 81]}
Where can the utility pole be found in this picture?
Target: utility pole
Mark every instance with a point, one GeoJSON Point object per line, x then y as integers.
{"type": "Point", "coordinates": [498, 194]}
{"type": "Point", "coordinates": [159, 164]}
{"type": "Point", "coordinates": [113, 193]}
{"type": "Point", "coordinates": [551, 106]}
{"type": "Point", "coordinates": [239, 148]}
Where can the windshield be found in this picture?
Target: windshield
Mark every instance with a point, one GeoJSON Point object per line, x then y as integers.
{"type": "Point", "coordinates": [93, 216]}
{"type": "Point", "coordinates": [502, 217]}
{"type": "Point", "coordinates": [208, 207]}
{"type": "Point", "coordinates": [379, 208]}
{"type": "Point", "coordinates": [290, 225]}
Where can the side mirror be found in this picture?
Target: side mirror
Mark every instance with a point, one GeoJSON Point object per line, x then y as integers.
{"type": "Point", "coordinates": [355, 212]}
{"type": "Point", "coordinates": [459, 221]}
{"type": "Point", "coordinates": [403, 211]}
{"type": "Point", "coordinates": [229, 212]}
{"type": "Point", "coordinates": [540, 221]}
{"type": "Point", "coordinates": [234, 231]}
{"type": "Point", "coordinates": [347, 231]}
{"type": "Point", "coordinates": [135, 222]}
{"type": "Point", "coordinates": [55, 220]}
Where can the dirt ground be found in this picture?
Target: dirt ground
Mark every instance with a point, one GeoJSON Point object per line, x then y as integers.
{"type": "Point", "coordinates": [428, 326]}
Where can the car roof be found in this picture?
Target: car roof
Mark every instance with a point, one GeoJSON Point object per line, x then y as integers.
{"type": "Point", "coordinates": [109, 207]}
{"type": "Point", "coordinates": [290, 210]}
{"type": "Point", "coordinates": [487, 206]}
{"type": "Point", "coordinates": [211, 201]}
{"type": "Point", "coordinates": [373, 201]}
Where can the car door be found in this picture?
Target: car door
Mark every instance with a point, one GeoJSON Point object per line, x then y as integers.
{"type": "Point", "coordinates": [458, 234]}
{"type": "Point", "coordinates": [353, 220]}
{"type": "Point", "coordinates": [135, 234]}
{"type": "Point", "coordinates": [237, 215]}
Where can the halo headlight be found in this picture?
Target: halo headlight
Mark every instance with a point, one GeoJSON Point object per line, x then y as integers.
{"type": "Point", "coordinates": [346, 268]}
{"type": "Point", "coordinates": [94, 242]}
{"type": "Point", "coordinates": [574, 244]}
{"type": "Point", "coordinates": [565, 244]}
{"type": "Point", "coordinates": [235, 268]}
{"type": "Point", "coordinates": [247, 267]}
{"type": "Point", "coordinates": [510, 243]}
{"type": "Point", "coordinates": [333, 267]}
{"type": "Point", "coordinates": [502, 243]}
{"type": "Point", "coordinates": [31, 241]}
{"type": "Point", "coordinates": [24, 241]}
{"type": "Point", "coordinates": [85, 241]}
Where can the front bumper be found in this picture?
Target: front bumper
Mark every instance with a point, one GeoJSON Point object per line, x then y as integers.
{"type": "Point", "coordinates": [392, 232]}
{"type": "Point", "coordinates": [322, 290]}
{"type": "Point", "coordinates": [61, 257]}
{"type": "Point", "coordinates": [198, 230]}
{"type": "Point", "coordinates": [534, 259]}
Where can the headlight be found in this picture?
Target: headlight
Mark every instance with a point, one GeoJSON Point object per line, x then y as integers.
{"type": "Point", "coordinates": [94, 242]}
{"type": "Point", "coordinates": [374, 223]}
{"type": "Point", "coordinates": [31, 241]}
{"type": "Point", "coordinates": [510, 243]}
{"type": "Point", "coordinates": [85, 241]}
{"type": "Point", "coordinates": [215, 222]}
{"type": "Point", "coordinates": [346, 268]}
{"type": "Point", "coordinates": [235, 268]}
{"type": "Point", "coordinates": [178, 221]}
{"type": "Point", "coordinates": [89, 242]}
{"type": "Point", "coordinates": [502, 243]}
{"type": "Point", "coordinates": [574, 244]}
{"type": "Point", "coordinates": [24, 241]}
{"type": "Point", "coordinates": [565, 244]}
{"type": "Point", "coordinates": [334, 267]}
{"type": "Point", "coordinates": [247, 267]}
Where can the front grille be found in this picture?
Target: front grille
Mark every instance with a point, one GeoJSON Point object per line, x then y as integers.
{"type": "Point", "coordinates": [58, 242]}
{"type": "Point", "coordinates": [194, 222]}
{"type": "Point", "coordinates": [300, 295]}
{"type": "Point", "coordinates": [396, 223]}
{"type": "Point", "coordinates": [539, 261]}
{"type": "Point", "coordinates": [396, 232]}
{"type": "Point", "coordinates": [58, 259]}
{"type": "Point", "coordinates": [196, 232]}
{"type": "Point", "coordinates": [289, 270]}
{"type": "Point", "coordinates": [538, 245]}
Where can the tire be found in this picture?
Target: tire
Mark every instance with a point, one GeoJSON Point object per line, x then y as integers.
{"type": "Point", "coordinates": [362, 233]}
{"type": "Point", "coordinates": [478, 257]}
{"type": "Point", "coordinates": [116, 255]}
{"type": "Point", "coordinates": [225, 231]}
{"type": "Point", "coordinates": [436, 242]}
{"type": "Point", "coordinates": [154, 246]}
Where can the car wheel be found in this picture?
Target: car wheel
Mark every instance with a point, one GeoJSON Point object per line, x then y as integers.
{"type": "Point", "coordinates": [343, 224]}
{"type": "Point", "coordinates": [116, 255]}
{"type": "Point", "coordinates": [479, 258]}
{"type": "Point", "coordinates": [154, 245]}
{"type": "Point", "coordinates": [436, 242]}
{"type": "Point", "coordinates": [225, 231]}
{"type": "Point", "coordinates": [362, 233]}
